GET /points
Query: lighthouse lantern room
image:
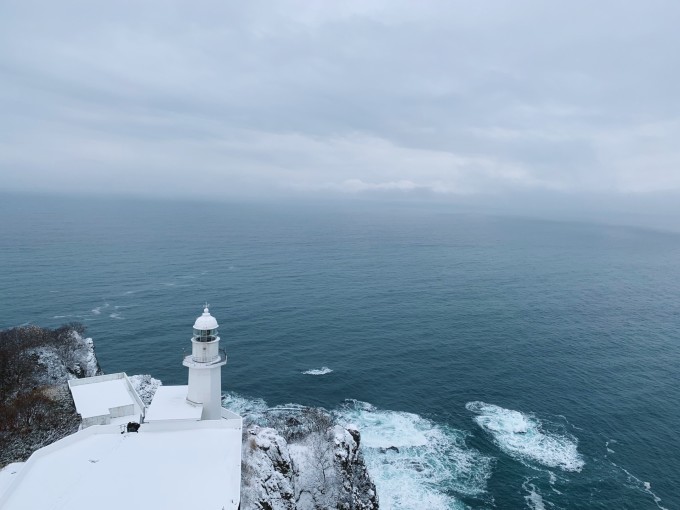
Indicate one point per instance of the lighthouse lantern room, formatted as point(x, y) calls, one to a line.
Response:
point(205, 367)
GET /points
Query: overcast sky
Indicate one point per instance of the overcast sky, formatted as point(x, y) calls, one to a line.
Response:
point(444, 99)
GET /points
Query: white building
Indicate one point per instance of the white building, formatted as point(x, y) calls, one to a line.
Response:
point(106, 400)
point(186, 455)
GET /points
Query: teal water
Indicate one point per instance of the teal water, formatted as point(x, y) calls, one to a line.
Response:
point(514, 363)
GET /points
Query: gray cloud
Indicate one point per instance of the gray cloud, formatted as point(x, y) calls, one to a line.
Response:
point(435, 98)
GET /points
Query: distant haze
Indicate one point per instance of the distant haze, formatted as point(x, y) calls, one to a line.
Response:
point(529, 106)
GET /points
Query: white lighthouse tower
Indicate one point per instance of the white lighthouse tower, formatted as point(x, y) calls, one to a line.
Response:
point(205, 366)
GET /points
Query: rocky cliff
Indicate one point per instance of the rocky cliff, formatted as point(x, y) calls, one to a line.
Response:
point(35, 404)
point(308, 462)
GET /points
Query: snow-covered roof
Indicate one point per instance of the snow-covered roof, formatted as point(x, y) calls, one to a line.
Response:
point(206, 321)
point(165, 465)
point(8, 474)
point(170, 403)
point(106, 399)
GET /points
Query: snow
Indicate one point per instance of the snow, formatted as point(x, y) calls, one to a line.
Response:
point(106, 399)
point(97, 398)
point(268, 477)
point(145, 386)
point(90, 364)
point(170, 403)
point(60, 366)
point(8, 474)
point(159, 467)
point(206, 321)
point(322, 470)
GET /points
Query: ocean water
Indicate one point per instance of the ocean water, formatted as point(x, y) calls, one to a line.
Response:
point(489, 362)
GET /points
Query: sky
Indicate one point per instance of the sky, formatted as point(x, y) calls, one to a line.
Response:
point(487, 102)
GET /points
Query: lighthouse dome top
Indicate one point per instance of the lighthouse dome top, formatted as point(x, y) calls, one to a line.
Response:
point(206, 321)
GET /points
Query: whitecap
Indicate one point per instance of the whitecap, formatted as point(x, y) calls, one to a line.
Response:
point(115, 316)
point(244, 406)
point(318, 371)
point(414, 462)
point(98, 310)
point(606, 445)
point(534, 499)
point(527, 438)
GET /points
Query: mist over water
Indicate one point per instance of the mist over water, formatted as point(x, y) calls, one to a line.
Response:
point(510, 363)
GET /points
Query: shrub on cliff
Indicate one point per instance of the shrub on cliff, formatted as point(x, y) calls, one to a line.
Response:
point(35, 405)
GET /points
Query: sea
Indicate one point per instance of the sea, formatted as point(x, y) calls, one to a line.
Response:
point(489, 362)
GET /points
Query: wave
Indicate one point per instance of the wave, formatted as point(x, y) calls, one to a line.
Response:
point(526, 438)
point(244, 406)
point(98, 310)
point(534, 499)
point(318, 371)
point(116, 316)
point(414, 462)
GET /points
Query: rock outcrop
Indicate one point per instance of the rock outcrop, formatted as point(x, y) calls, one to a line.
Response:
point(72, 359)
point(267, 476)
point(319, 467)
point(36, 407)
point(358, 489)
point(145, 386)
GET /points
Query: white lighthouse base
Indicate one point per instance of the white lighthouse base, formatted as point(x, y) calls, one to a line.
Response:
point(205, 388)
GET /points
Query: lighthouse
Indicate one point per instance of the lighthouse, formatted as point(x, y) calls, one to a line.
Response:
point(184, 434)
point(205, 367)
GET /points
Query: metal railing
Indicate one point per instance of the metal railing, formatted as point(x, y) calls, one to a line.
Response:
point(219, 358)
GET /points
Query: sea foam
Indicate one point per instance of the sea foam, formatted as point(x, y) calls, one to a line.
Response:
point(533, 498)
point(318, 371)
point(414, 462)
point(527, 438)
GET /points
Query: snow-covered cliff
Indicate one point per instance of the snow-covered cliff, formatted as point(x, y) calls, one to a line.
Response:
point(145, 386)
point(36, 407)
point(320, 466)
point(73, 359)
